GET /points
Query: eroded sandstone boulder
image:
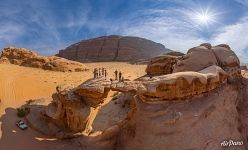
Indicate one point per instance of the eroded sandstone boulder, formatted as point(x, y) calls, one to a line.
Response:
point(94, 91)
point(227, 59)
point(70, 111)
point(73, 109)
point(206, 55)
point(161, 65)
point(25, 57)
point(196, 59)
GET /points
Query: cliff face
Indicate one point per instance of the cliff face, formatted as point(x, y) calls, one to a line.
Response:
point(112, 48)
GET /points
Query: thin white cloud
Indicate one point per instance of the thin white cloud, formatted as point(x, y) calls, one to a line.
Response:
point(236, 36)
point(9, 32)
point(167, 26)
point(38, 23)
point(174, 29)
point(243, 2)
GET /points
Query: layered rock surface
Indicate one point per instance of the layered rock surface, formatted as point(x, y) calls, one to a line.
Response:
point(25, 57)
point(113, 48)
point(203, 122)
point(167, 87)
point(194, 107)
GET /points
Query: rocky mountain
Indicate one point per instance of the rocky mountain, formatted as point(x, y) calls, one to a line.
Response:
point(28, 58)
point(113, 48)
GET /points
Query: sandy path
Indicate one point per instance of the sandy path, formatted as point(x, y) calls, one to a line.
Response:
point(19, 84)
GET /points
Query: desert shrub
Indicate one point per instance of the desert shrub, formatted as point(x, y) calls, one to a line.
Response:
point(28, 102)
point(114, 98)
point(21, 112)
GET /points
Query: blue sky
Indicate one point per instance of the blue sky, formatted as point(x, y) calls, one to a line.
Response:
point(49, 25)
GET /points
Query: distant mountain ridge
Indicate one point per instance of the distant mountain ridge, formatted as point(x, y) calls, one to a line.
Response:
point(113, 48)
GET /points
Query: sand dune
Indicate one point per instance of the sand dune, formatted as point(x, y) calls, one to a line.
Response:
point(19, 84)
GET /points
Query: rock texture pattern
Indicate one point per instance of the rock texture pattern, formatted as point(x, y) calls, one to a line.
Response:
point(196, 59)
point(205, 55)
point(113, 48)
point(161, 65)
point(202, 123)
point(25, 57)
point(195, 107)
point(69, 111)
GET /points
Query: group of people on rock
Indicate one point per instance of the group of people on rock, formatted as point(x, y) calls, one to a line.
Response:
point(118, 76)
point(102, 72)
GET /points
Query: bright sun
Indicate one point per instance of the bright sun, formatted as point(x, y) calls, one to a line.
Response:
point(203, 17)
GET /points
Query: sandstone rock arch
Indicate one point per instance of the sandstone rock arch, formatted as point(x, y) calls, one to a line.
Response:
point(194, 107)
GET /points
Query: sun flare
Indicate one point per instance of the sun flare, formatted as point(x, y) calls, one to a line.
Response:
point(203, 17)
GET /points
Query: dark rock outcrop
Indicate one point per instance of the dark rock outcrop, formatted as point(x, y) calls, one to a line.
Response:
point(113, 48)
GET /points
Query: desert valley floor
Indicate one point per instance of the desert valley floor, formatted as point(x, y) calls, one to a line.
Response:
point(19, 84)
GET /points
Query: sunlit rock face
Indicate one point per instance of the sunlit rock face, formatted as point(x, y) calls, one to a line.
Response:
point(205, 55)
point(161, 65)
point(27, 58)
point(69, 111)
point(196, 59)
point(227, 59)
